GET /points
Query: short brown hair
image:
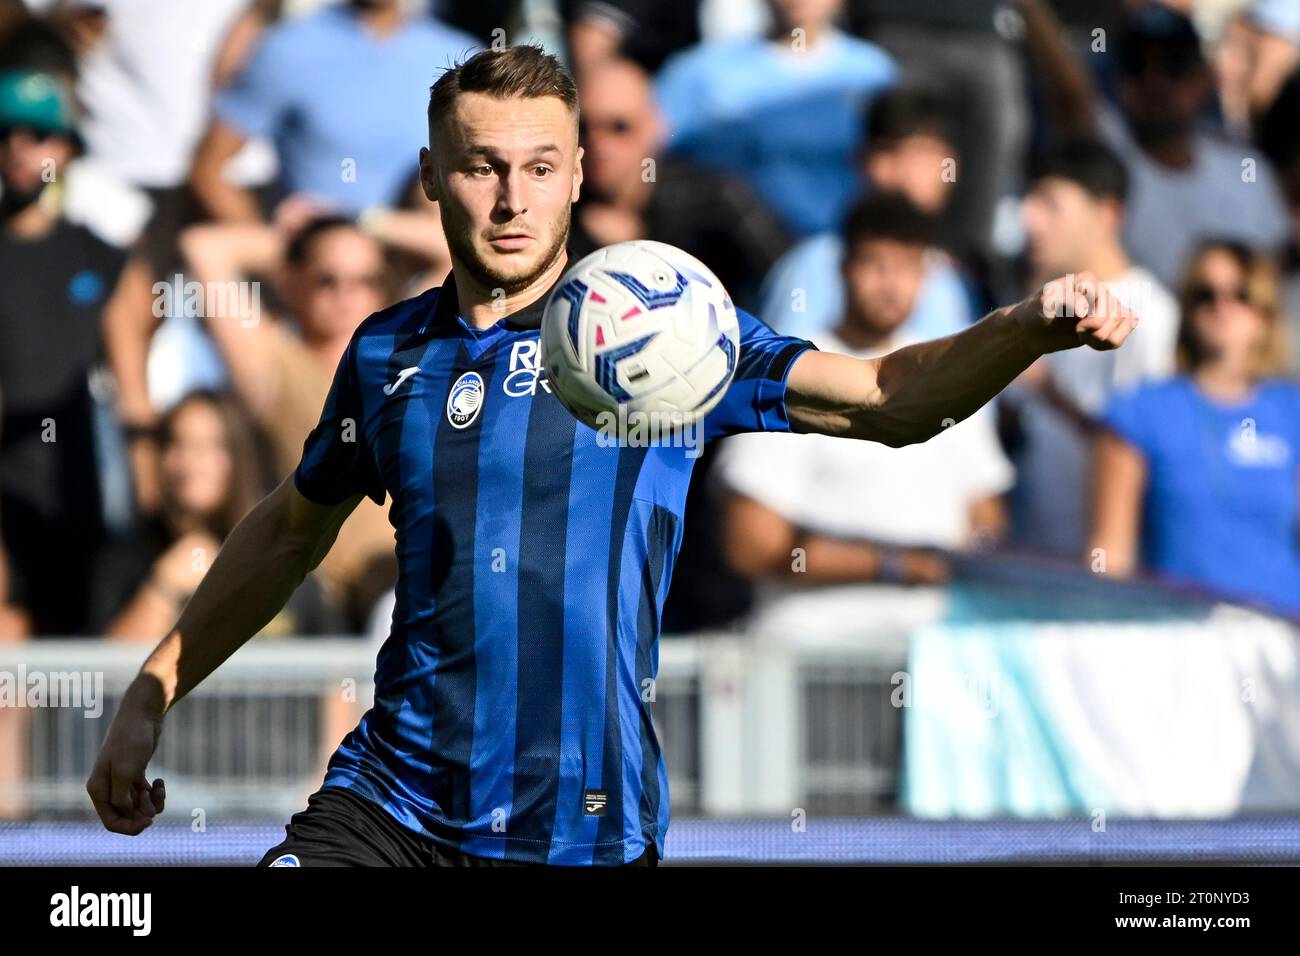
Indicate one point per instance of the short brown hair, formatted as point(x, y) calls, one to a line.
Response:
point(1259, 279)
point(527, 71)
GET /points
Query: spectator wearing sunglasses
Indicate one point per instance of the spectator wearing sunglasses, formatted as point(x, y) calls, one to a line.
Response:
point(1187, 185)
point(330, 276)
point(630, 191)
point(710, 214)
point(1196, 477)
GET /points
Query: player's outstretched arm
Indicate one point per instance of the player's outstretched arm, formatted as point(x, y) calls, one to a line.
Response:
point(260, 565)
point(912, 394)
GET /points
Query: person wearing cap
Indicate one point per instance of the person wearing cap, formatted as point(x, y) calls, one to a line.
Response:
point(67, 301)
point(1187, 184)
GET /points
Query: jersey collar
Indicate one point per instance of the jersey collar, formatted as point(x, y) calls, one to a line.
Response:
point(446, 313)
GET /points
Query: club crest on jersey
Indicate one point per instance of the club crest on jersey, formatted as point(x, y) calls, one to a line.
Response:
point(288, 859)
point(465, 399)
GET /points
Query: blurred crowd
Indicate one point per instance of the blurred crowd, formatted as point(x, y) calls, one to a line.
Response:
point(199, 202)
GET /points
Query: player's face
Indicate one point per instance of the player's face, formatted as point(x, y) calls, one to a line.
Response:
point(504, 173)
point(1062, 222)
point(340, 283)
point(882, 279)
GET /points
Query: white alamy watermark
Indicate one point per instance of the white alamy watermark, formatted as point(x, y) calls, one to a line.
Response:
point(39, 689)
point(637, 429)
point(218, 300)
point(75, 908)
point(1060, 297)
point(973, 691)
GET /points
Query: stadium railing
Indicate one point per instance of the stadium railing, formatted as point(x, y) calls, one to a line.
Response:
point(760, 721)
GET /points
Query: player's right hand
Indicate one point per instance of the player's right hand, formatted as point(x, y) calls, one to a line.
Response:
point(123, 797)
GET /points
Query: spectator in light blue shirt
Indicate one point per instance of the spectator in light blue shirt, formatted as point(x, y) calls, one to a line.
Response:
point(909, 151)
point(782, 112)
point(1197, 476)
point(341, 93)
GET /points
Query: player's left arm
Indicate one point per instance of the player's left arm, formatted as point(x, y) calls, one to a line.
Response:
point(912, 394)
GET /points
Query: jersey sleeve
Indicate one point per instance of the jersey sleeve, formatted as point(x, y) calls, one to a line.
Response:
point(755, 399)
point(337, 462)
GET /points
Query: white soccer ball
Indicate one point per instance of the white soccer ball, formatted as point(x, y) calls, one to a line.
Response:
point(644, 326)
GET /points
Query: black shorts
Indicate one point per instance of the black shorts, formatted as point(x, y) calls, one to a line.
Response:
point(339, 828)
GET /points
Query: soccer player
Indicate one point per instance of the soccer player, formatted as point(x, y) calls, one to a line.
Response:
point(511, 721)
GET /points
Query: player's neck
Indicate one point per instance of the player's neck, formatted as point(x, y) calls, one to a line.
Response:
point(483, 307)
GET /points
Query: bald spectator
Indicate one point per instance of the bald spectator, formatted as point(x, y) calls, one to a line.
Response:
point(629, 191)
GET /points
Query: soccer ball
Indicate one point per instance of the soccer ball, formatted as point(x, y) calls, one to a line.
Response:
point(643, 326)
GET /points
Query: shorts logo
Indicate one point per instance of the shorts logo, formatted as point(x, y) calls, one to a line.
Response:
point(288, 859)
point(465, 399)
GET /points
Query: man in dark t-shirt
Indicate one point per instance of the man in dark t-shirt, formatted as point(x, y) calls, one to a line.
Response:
point(59, 286)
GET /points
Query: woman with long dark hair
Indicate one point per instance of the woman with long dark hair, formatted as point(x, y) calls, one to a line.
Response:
point(211, 475)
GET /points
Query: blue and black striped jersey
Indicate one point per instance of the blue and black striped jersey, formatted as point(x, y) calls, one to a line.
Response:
point(512, 706)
